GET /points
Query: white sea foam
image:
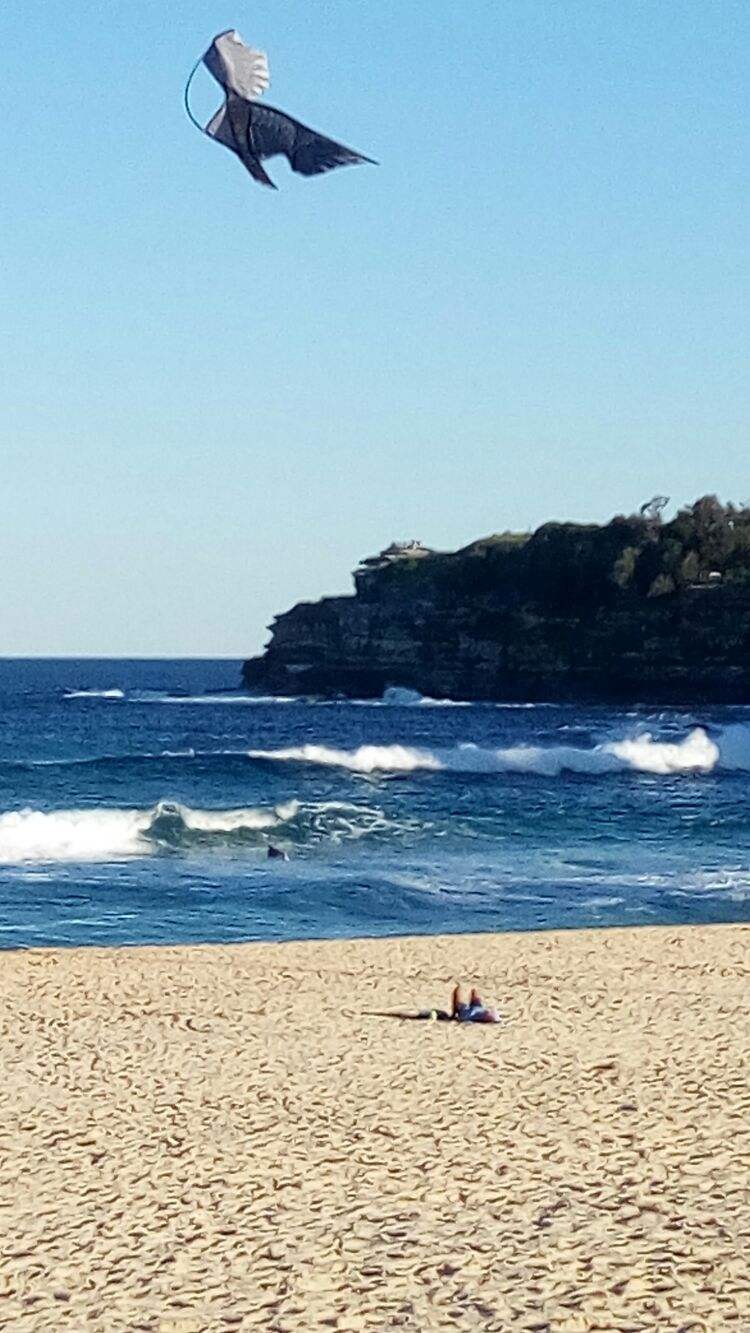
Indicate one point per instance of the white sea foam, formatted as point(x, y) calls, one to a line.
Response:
point(62, 835)
point(527, 706)
point(400, 696)
point(163, 697)
point(105, 834)
point(95, 694)
point(231, 821)
point(696, 753)
point(366, 759)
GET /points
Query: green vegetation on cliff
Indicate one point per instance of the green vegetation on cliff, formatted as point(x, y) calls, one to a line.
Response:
point(569, 566)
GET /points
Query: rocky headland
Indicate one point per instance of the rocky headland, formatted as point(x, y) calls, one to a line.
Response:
point(633, 609)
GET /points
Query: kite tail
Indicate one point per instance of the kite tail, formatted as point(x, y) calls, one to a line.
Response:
point(191, 76)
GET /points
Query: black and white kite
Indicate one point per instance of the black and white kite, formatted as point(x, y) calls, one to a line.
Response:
point(254, 131)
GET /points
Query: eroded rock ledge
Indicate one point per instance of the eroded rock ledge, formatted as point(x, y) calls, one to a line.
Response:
point(633, 609)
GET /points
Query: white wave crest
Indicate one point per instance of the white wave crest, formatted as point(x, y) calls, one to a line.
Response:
point(164, 697)
point(106, 834)
point(231, 821)
point(63, 835)
point(95, 694)
point(399, 696)
point(696, 753)
point(366, 759)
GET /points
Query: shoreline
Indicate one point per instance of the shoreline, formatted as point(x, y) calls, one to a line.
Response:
point(314, 941)
point(219, 1136)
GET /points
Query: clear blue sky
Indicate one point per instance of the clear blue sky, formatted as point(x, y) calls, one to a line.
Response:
point(216, 399)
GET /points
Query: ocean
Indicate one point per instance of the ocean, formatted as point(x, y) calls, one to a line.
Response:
point(138, 800)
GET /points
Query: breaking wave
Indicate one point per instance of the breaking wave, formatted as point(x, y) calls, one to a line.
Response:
point(696, 753)
point(95, 694)
point(165, 697)
point(398, 696)
point(107, 834)
point(110, 834)
point(395, 696)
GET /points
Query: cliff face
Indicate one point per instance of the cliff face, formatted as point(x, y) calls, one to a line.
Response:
point(633, 610)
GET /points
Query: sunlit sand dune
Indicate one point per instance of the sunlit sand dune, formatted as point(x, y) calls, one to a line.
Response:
point(225, 1137)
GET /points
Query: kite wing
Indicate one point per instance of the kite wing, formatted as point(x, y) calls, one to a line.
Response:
point(236, 66)
point(231, 126)
point(261, 132)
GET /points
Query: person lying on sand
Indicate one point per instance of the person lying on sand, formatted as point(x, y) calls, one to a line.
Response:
point(473, 1012)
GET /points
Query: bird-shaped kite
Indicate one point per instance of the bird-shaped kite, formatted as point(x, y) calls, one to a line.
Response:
point(254, 131)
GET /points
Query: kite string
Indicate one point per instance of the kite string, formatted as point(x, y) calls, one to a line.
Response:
point(191, 76)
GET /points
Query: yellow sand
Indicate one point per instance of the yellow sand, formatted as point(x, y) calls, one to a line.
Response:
point(219, 1138)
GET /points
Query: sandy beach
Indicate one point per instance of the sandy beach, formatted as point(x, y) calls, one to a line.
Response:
point(223, 1137)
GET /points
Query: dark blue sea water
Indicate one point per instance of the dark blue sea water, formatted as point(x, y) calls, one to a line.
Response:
point(138, 801)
